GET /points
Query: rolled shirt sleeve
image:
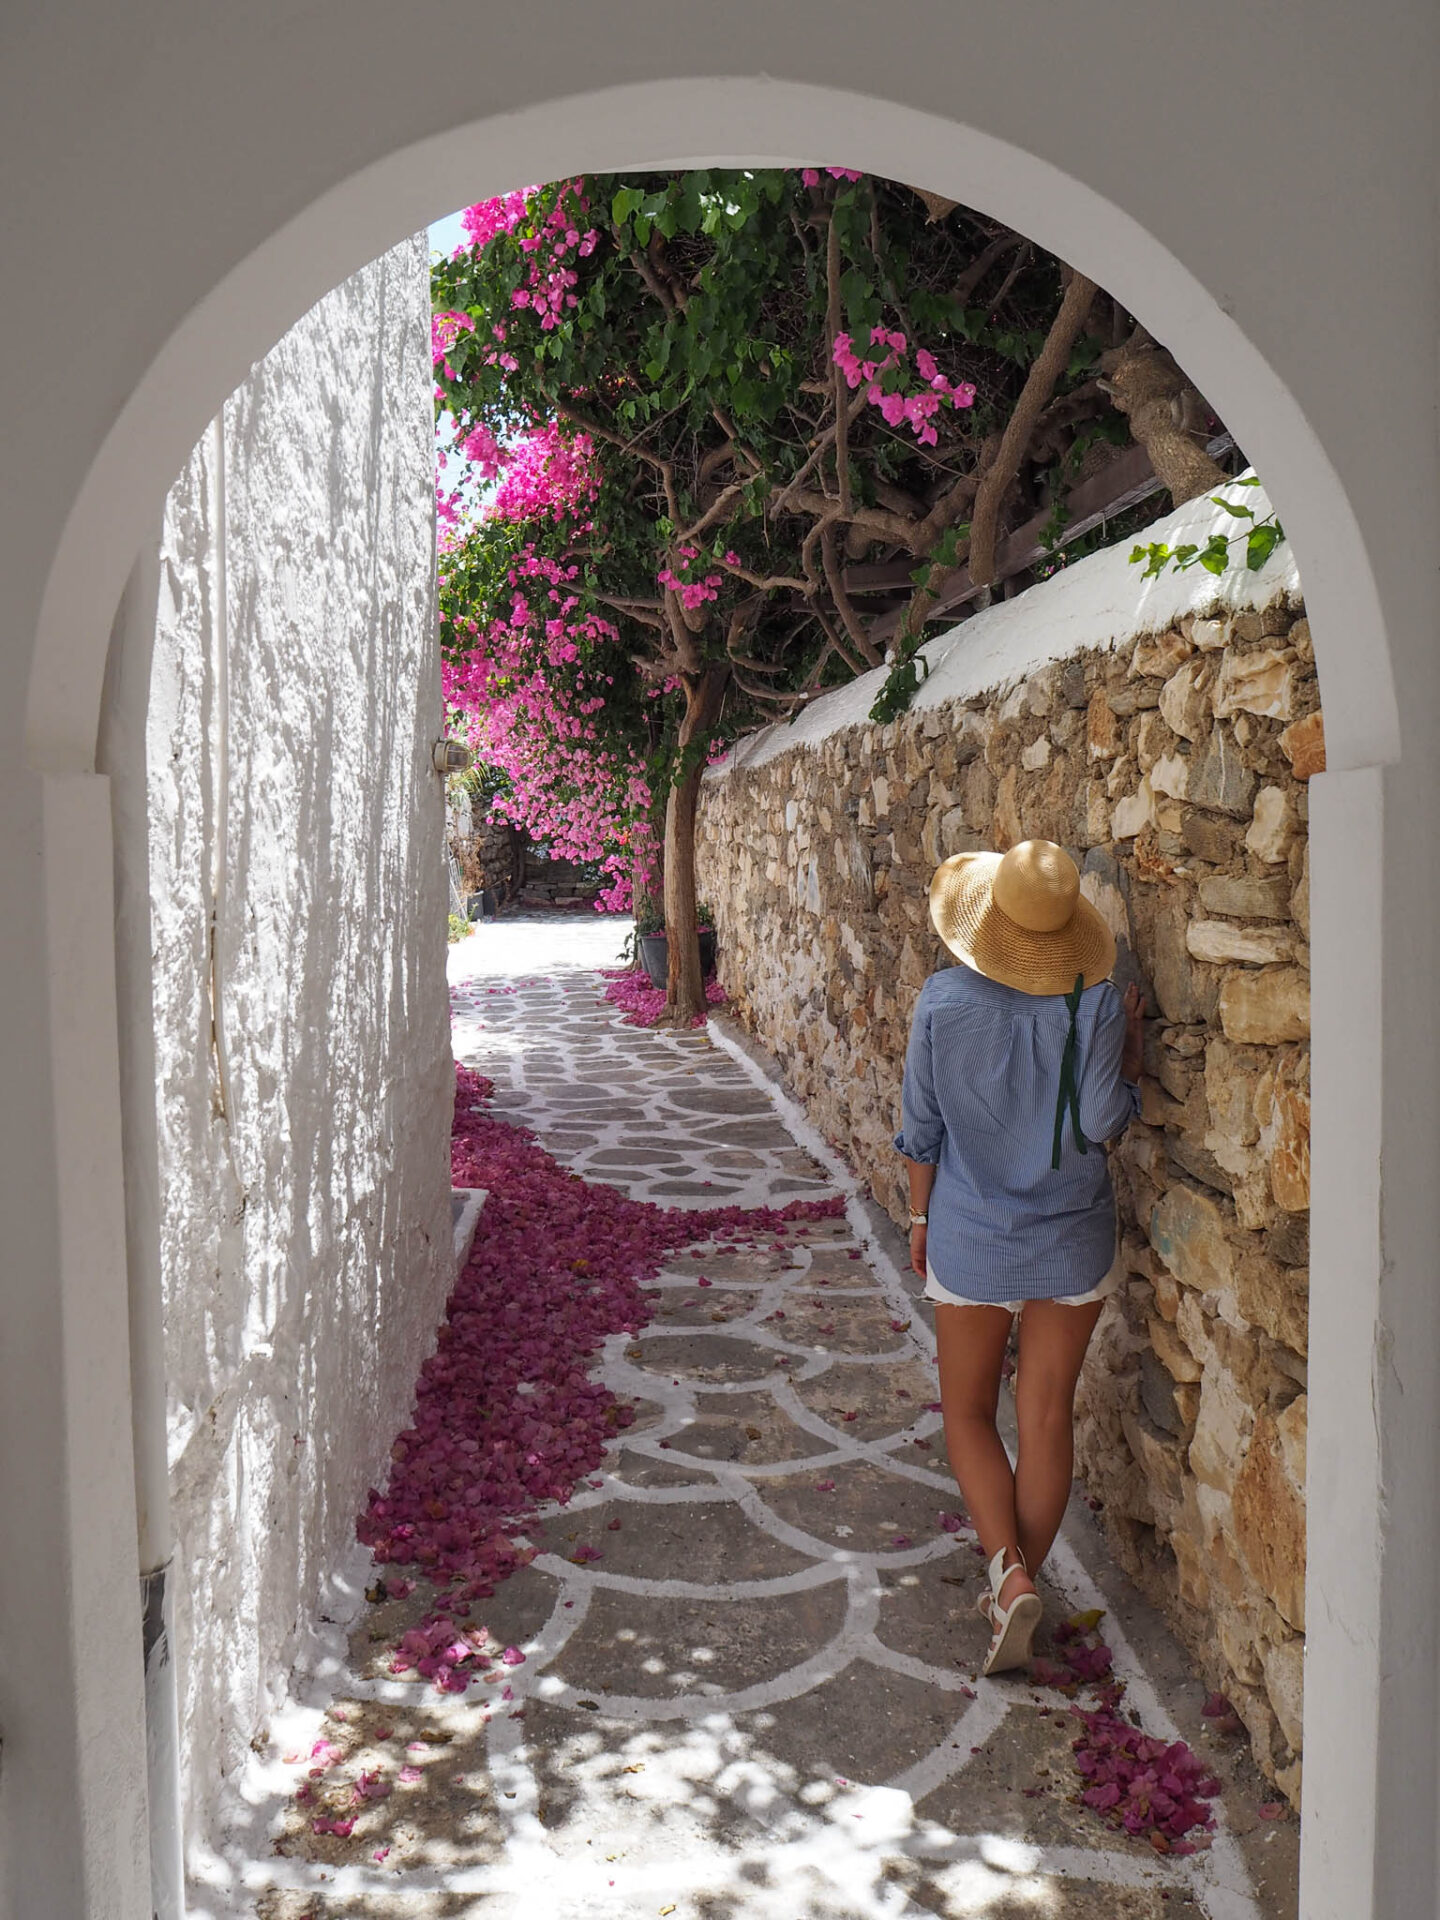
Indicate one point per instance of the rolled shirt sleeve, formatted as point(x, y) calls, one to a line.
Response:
point(922, 1128)
point(1107, 1102)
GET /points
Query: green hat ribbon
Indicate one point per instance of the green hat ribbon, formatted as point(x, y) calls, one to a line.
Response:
point(1069, 1087)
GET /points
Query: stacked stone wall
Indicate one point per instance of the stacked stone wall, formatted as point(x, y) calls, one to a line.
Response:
point(1173, 766)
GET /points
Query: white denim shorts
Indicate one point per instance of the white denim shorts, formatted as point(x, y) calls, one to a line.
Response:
point(945, 1297)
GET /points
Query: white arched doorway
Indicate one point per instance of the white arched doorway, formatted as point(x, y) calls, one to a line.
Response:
point(283, 240)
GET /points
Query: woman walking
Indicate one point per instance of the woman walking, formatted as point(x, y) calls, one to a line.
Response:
point(1022, 1061)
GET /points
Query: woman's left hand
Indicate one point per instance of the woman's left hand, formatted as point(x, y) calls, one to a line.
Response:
point(917, 1250)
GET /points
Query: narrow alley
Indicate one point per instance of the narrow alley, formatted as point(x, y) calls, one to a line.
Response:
point(739, 1677)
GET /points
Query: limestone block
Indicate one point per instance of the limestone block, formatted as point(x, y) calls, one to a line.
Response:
point(1042, 690)
point(1262, 682)
point(972, 731)
point(1100, 887)
point(1158, 655)
point(1170, 775)
point(1006, 829)
point(1192, 1559)
point(1223, 940)
point(1232, 1075)
point(1300, 898)
point(1285, 1130)
point(1159, 1108)
point(1067, 729)
point(1096, 814)
point(1152, 738)
point(1183, 992)
point(1072, 690)
point(1240, 1644)
point(1210, 635)
point(1245, 896)
point(1037, 754)
point(1161, 1461)
point(1274, 1298)
point(1209, 838)
point(1222, 1428)
point(1303, 745)
point(1284, 1672)
point(1219, 777)
point(1299, 638)
point(1269, 1512)
point(1172, 1352)
point(1185, 699)
point(1122, 777)
point(1253, 1706)
point(1102, 731)
point(1272, 830)
point(1293, 1428)
point(1266, 1008)
point(1288, 1242)
point(1134, 812)
point(1190, 1232)
point(978, 796)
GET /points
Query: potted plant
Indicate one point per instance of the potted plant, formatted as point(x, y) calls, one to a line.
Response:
point(654, 948)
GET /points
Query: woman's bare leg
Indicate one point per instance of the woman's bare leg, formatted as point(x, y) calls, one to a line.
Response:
point(1053, 1339)
point(970, 1344)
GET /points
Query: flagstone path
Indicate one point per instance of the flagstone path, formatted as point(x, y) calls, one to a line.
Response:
point(753, 1695)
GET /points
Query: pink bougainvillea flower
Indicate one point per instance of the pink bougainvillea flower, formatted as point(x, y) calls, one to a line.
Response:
point(824, 1486)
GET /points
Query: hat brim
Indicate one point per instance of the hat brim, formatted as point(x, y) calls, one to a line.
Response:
point(964, 914)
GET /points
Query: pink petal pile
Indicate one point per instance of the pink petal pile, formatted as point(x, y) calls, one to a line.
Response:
point(644, 1005)
point(506, 1412)
point(1147, 1787)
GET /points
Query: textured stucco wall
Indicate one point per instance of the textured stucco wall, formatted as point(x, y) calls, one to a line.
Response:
point(303, 1050)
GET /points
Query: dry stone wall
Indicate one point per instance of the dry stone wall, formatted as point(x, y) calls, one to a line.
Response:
point(1173, 765)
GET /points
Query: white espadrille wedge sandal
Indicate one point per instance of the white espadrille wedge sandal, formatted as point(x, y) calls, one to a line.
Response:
point(1012, 1628)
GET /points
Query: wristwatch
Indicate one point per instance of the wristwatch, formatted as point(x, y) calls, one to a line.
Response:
point(919, 1219)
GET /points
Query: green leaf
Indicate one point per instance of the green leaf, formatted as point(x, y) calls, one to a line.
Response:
point(1240, 513)
point(1214, 562)
point(625, 203)
point(1262, 543)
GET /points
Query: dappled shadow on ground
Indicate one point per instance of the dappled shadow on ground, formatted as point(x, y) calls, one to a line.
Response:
point(748, 1689)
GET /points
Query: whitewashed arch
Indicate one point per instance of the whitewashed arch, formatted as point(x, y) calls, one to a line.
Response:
point(1084, 143)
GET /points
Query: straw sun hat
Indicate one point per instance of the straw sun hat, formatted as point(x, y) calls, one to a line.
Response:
point(1021, 919)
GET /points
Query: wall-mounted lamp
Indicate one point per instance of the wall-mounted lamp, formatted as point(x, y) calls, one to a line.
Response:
point(451, 756)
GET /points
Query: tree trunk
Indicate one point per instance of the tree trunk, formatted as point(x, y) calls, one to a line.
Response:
point(1166, 416)
point(685, 985)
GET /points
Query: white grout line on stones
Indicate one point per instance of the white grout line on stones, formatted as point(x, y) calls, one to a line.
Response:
point(843, 1848)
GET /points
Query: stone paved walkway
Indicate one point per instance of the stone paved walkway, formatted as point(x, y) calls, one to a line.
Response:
point(760, 1703)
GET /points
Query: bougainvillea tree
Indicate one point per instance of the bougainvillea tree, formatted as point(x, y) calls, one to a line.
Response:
point(747, 428)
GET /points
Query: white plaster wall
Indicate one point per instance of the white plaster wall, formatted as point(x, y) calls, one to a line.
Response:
point(302, 1053)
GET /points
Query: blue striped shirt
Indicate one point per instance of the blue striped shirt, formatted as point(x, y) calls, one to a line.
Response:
point(982, 1074)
